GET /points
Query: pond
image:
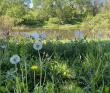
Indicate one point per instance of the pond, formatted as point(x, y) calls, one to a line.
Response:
point(39, 34)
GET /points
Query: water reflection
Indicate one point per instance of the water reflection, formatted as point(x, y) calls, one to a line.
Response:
point(35, 36)
point(26, 35)
point(54, 33)
point(43, 35)
point(39, 34)
point(79, 34)
point(100, 34)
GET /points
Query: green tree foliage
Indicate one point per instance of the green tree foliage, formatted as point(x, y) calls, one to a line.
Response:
point(98, 23)
point(54, 20)
point(14, 8)
point(29, 18)
point(66, 11)
point(3, 6)
point(97, 5)
point(105, 8)
point(82, 6)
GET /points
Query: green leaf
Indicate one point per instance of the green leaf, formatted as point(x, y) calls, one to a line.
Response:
point(107, 89)
point(2, 88)
point(78, 90)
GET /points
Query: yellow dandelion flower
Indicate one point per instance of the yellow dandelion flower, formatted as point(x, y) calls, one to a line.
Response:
point(34, 67)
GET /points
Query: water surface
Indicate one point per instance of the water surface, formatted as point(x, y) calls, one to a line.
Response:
point(40, 34)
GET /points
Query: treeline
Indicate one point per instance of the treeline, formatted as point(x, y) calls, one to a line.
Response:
point(54, 11)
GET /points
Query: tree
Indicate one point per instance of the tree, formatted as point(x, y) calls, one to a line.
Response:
point(37, 3)
point(14, 8)
point(105, 8)
point(97, 4)
point(82, 7)
point(55, 8)
point(3, 7)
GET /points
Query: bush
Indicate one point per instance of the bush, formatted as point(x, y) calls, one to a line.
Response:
point(98, 23)
point(54, 20)
point(6, 24)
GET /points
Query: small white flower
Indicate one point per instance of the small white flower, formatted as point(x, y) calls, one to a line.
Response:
point(17, 39)
point(5, 40)
point(105, 54)
point(3, 46)
point(37, 46)
point(108, 42)
point(14, 59)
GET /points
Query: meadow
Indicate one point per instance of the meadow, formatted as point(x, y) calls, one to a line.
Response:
point(55, 66)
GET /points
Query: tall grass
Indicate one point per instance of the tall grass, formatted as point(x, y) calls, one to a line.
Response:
point(64, 66)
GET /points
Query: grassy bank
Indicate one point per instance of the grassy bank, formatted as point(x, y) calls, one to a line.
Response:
point(76, 23)
point(49, 26)
point(79, 66)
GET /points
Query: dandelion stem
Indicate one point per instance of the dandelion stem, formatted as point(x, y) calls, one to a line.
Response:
point(40, 70)
point(1, 55)
point(26, 75)
point(22, 77)
point(0, 77)
point(17, 90)
point(34, 78)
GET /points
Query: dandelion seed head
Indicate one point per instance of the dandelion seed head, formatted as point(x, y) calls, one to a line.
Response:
point(14, 59)
point(37, 46)
point(3, 46)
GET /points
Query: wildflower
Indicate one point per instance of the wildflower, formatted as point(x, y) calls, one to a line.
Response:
point(5, 40)
point(3, 46)
point(108, 42)
point(37, 46)
point(34, 67)
point(17, 39)
point(14, 59)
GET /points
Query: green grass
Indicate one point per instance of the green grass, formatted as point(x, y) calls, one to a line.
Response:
point(75, 23)
point(68, 66)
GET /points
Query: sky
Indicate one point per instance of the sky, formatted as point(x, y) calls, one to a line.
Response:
point(31, 4)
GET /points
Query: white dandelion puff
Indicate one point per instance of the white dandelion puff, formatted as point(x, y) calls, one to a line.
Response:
point(3, 46)
point(14, 59)
point(37, 46)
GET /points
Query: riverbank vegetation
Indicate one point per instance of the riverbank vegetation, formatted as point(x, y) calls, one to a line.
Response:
point(67, 66)
point(53, 13)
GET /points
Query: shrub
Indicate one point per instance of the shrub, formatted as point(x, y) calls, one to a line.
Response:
point(98, 23)
point(54, 20)
point(6, 24)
